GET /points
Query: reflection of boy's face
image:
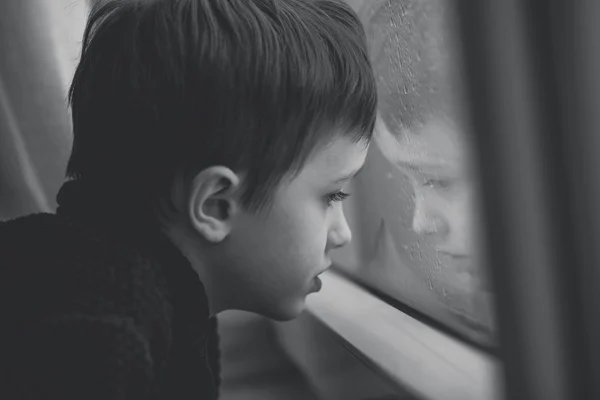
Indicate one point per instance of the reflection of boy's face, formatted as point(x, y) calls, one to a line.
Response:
point(435, 159)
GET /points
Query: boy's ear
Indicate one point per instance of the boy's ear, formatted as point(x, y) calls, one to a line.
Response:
point(213, 202)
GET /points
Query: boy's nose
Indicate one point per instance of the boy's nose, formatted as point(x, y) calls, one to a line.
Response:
point(424, 221)
point(341, 235)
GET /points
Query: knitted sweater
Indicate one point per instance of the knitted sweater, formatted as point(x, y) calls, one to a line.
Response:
point(100, 310)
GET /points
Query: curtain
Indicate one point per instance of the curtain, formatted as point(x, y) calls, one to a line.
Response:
point(39, 47)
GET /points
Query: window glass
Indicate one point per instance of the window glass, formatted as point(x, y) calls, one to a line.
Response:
point(414, 209)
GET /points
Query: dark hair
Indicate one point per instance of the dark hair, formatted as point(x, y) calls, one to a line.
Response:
point(412, 52)
point(165, 86)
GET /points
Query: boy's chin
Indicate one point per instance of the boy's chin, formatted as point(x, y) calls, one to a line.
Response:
point(286, 313)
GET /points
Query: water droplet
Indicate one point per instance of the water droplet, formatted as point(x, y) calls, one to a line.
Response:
point(411, 254)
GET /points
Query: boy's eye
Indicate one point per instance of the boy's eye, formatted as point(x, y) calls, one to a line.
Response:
point(337, 196)
point(437, 183)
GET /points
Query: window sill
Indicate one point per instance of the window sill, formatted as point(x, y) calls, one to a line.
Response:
point(400, 348)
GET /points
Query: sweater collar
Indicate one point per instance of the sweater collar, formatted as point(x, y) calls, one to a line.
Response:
point(81, 202)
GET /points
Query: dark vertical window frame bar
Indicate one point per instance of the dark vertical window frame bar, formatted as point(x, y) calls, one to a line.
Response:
point(512, 114)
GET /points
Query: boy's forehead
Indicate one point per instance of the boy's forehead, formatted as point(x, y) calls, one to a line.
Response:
point(436, 142)
point(340, 156)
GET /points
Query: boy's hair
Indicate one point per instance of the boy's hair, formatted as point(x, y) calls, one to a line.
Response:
point(412, 49)
point(170, 86)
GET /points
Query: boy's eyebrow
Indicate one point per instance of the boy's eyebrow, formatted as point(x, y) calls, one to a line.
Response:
point(349, 176)
point(421, 166)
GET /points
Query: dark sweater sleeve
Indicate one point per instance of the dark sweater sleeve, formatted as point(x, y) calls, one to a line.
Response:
point(78, 357)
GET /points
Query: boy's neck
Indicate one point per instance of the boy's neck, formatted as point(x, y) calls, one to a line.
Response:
point(194, 251)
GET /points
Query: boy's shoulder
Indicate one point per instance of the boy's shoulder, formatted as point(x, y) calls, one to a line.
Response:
point(52, 264)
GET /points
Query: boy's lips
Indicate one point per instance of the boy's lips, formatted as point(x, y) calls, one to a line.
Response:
point(459, 262)
point(326, 268)
point(466, 269)
point(451, 254)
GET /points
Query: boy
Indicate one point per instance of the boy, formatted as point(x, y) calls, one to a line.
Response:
point(212, 143)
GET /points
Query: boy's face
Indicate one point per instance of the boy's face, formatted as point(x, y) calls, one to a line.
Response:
point(271, 261)
point(435, 158)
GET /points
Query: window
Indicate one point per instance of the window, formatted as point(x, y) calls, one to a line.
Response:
point(414, 211)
